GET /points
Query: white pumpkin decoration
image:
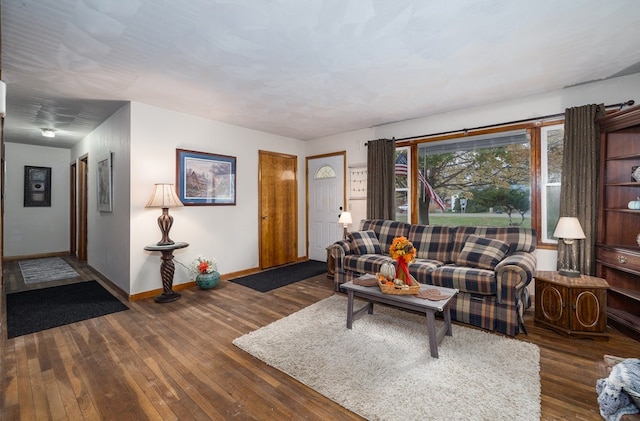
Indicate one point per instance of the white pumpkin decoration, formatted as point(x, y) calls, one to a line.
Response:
point(634, 204)
point(388, 270)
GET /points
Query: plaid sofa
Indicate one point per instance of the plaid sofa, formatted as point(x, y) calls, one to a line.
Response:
point(490, 266)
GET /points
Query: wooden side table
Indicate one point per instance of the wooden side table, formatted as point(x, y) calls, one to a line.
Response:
point(331, 265)
point(167, 269)
point(575, 307)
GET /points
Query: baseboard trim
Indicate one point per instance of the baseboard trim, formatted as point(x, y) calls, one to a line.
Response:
point(35, 256)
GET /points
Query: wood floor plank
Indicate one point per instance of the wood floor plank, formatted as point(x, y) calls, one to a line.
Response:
point(176, 361)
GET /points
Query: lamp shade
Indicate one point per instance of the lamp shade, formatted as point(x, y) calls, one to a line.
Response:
point(569, 227)
point(345, 218)
point(164, 196)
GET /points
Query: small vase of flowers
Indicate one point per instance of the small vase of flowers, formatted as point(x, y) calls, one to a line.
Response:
point(206, 271)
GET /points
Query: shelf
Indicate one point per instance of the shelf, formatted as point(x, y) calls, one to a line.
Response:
point(623, 157)
point(624, 210)
point(634, 295)
point(633, 248)
point(625, 184)
point(618, 267)
point(623, 316)
point(624, 320)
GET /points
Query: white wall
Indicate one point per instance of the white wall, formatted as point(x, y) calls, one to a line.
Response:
point(609, 92)
point(228, 234)
point(108, 232)
point(29, 230)
point(353, 143)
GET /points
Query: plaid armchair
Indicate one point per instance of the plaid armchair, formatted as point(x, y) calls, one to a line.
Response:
point(491, 267)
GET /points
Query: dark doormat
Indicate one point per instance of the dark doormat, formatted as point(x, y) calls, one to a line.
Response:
point(284, 275)
point(39, 309)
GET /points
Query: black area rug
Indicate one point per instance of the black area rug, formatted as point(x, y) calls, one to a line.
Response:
point(40, 309)
point(281, 276)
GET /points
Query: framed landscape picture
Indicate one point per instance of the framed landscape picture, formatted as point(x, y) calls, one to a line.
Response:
point(105, 185)
point(37, 186)
point(205, 179)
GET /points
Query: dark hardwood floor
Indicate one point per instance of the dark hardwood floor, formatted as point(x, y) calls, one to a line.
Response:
point(175, 361)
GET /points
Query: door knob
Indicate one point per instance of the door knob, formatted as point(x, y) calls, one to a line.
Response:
point(265, 217)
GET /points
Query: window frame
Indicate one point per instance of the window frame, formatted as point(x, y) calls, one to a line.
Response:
point(533, 129)
point(409, 215)
point(544, 183)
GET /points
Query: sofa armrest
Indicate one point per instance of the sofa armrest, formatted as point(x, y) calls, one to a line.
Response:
point(514, 273)
point(338, 251)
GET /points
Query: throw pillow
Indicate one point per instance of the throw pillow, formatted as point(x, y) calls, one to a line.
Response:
point(482, 253)
point(365, 242)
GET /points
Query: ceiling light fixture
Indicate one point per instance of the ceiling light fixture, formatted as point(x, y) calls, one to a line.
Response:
point(48, 133)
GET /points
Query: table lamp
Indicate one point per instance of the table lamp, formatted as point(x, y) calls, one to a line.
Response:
point(345, 219)
point(569, 230)
point(164, 196)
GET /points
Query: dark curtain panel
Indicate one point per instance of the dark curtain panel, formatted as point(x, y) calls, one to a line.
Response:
point(381, 179)
point(579, 185)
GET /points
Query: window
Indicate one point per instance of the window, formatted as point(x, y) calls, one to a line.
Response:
point(475, 180)
point(551, 147)
point(325, 171)
point(485, 178)
point(403, 185)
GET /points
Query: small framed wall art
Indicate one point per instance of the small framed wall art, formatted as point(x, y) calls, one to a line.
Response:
point(37, 186)
point(105, 185)
point(205, 179)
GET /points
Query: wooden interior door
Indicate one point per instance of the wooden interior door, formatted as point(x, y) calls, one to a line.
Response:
point(83, 175)
point(278, 208)
point(73, 210)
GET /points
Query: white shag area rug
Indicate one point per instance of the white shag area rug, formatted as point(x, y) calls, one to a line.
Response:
point(45, 270)
point(382, 368)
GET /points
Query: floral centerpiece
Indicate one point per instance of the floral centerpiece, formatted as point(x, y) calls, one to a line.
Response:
point(403, 252)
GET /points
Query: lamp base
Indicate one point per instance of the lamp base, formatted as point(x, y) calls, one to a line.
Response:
point(570, 273)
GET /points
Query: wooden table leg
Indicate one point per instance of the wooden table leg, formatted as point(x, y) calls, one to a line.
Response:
point(431, 330)
point(349, 309)
point(447, 320)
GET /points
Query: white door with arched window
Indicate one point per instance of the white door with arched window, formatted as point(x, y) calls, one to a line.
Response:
point(325, 178)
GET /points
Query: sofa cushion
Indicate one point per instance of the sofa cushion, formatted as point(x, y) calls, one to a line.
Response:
point(482, 253)
point(386, 230)
point(466, 279)
point(366, 263)
point(519, 239)
point(365, 242)
point(421, 269)
point(432, 242)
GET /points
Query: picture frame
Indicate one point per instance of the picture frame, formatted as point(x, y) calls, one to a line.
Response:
point(104, 177)
point(37, 186)
point(205, 179)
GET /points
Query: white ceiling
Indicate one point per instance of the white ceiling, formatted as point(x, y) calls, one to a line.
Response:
point(303, 69)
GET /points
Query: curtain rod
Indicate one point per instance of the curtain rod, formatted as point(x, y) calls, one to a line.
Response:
point(526, 120)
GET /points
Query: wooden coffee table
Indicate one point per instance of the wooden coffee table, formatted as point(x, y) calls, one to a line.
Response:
point(409, 302)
